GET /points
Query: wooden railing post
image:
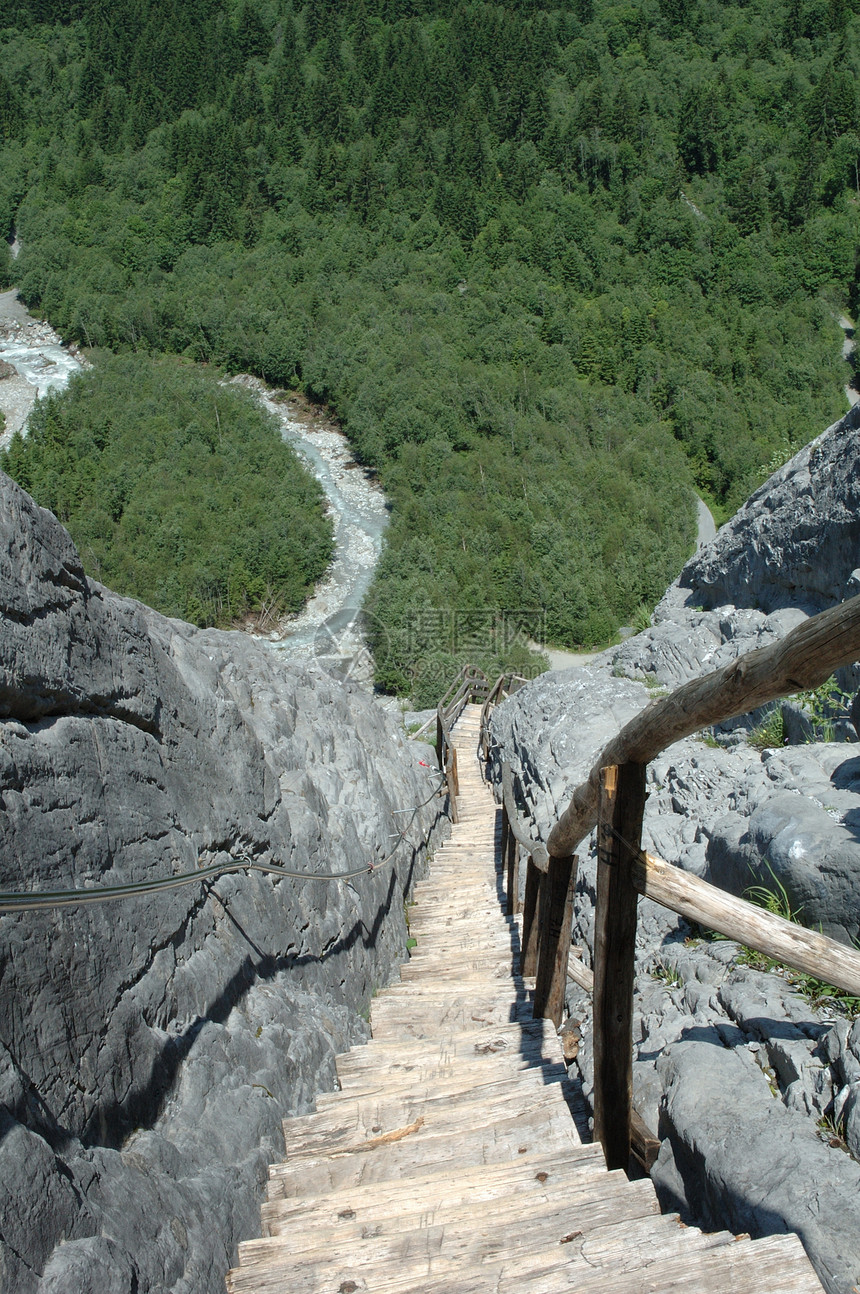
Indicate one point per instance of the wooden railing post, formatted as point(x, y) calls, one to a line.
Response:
point(531, 922)
point(440, 740)
point(451, 779)
point(622, 804)
point(506, 833)
point(513, 877)
point(556, 918)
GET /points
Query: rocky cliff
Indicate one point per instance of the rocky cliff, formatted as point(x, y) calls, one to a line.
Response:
point(150, 1047)
point(755, 1089)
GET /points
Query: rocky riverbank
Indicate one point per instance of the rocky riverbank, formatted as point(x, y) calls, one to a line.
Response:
point(35, 360)
point(151, 1047)
point(753, 1087)
point(328, 628)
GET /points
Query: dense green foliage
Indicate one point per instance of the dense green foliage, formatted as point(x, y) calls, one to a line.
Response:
point(552, 264)
point(176, 490)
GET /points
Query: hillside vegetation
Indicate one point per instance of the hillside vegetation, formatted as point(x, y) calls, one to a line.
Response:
point(553, 266)
point(176, 490)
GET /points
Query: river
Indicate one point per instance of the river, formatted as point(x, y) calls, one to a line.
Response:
point(327, 629)
point(41, 361)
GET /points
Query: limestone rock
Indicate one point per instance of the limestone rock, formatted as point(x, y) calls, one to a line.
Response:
point(795, 542)
point(731, 1156)
point(153, 1045)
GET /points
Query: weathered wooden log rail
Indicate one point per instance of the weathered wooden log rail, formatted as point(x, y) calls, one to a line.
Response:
point(470, 685)
point(613, 799)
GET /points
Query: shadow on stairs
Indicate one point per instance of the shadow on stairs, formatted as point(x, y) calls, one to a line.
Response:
point(453, 1160)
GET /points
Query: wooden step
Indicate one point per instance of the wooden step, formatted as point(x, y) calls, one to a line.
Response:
point(525, 1037)
point(444, 1250)
point(480, 1183)
point(496, 1141)
point(567, 1191)
point(434, 1075)
point(357, 1122)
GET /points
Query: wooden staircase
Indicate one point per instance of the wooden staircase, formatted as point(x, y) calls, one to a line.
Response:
point(450, 1162)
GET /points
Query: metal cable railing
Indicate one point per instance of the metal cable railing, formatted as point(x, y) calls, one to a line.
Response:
point(33, 901)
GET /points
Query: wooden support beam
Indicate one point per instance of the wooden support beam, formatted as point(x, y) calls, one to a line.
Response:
point(644, 1146)
point(506, 835)
point(531, 921)
point(805, 658)
point(534, 848)
point(622, 804)
point(713, 908)
point(512, 883)
point(556, 918)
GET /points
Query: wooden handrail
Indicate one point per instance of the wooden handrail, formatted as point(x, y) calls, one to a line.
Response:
point(715, 909)
point(505, 684)
point(804, 659)
point(469, 681)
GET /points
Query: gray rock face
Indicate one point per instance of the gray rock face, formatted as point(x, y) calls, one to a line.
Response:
point(796, 541)
point(150, 1048)
point(706, 1085)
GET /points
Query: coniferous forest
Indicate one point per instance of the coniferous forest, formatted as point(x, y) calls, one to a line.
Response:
point(555, 267)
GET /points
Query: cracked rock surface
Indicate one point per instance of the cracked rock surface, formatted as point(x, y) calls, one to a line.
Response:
point(753, 1089)
point(149, 1048)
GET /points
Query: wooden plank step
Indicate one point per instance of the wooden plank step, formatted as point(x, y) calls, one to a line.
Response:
point(772, 1265)
point(420, 1017)
point(499, 1141)
point(429, 1251)
point(474, 989)
point(525, 1036)
point(407, 1074)
point(647, 1240)
point(358, 1122)
point(643, 1241)
point(483, 1183)
point(410, 1024)
point(492, 968)
point(482, 957)
point(434, 1057)
point(342, 1234)
point(425, 1182)
point(491, 931)
point(449, 928)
